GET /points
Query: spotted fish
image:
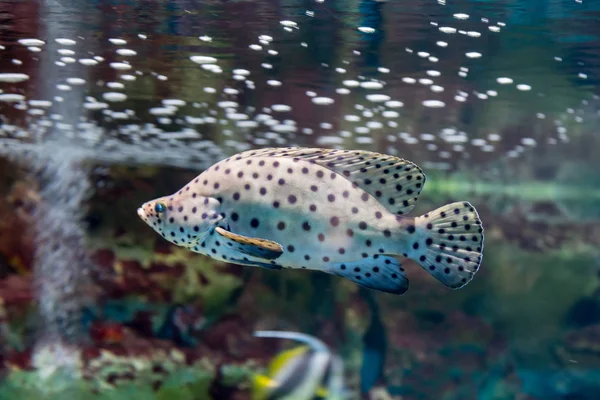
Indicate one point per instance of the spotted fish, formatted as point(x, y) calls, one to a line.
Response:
point(338, 211)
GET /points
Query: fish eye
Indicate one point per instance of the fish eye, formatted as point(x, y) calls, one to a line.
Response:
point(160, 208)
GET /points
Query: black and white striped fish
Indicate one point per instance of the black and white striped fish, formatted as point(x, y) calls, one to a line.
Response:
point(307, 372)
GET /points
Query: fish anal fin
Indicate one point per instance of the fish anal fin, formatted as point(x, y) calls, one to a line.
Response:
point(378, 272)
point(394, 182)
point(254, 247)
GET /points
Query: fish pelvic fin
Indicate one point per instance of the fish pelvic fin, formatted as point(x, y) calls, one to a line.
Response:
point(448, 243)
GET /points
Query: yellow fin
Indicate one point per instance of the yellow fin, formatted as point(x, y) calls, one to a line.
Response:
point(321, 392)
point(261, 386)
point(255, 247)
point(264, 381)
point(284, 357)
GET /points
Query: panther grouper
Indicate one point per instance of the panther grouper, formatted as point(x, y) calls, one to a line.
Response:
point(338, 211)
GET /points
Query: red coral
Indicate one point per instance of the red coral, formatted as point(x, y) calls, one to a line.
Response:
point(16, 294)
point(103, 332)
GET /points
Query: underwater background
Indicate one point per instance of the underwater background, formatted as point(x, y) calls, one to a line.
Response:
point(107, 104)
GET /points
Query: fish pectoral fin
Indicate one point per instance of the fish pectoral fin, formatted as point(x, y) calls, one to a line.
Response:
point(379, 272)
point(254, 247)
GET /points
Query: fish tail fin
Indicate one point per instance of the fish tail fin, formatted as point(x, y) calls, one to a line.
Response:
point(449, 243)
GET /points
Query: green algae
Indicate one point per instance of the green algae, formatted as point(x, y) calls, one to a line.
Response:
point(237, 375)
point(187, 383)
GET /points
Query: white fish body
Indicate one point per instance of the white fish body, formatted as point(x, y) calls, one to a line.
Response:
point(337, 211)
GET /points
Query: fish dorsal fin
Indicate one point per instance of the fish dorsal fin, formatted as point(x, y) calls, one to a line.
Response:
point(255, 247)
point(396, 183)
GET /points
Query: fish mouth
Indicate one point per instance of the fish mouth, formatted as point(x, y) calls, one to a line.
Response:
point(141, 213)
